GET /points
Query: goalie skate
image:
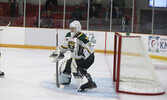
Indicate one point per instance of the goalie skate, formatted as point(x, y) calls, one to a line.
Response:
point(87, 86)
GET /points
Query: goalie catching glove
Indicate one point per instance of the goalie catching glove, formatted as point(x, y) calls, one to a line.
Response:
point(56, 55)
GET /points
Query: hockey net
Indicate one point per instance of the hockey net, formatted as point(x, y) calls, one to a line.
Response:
point(133, 70)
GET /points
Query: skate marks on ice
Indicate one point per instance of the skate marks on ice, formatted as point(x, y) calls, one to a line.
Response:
point(105, 88)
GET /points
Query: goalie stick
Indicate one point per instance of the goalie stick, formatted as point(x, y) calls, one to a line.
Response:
point(57, 65)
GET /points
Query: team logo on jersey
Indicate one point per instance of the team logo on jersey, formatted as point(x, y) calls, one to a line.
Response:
point(154, 44)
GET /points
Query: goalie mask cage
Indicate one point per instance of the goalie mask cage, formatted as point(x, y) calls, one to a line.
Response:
point(133, 71)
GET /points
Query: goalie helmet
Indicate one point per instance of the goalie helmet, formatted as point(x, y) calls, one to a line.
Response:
point(76, 25)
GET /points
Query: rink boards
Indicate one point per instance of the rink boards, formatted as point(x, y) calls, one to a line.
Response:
point(44, 37)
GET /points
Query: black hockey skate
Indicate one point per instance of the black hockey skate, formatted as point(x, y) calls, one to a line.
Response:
point(2, 74)
point(87, 86)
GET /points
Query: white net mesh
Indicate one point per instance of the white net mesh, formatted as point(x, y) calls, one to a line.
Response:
point(137, 74)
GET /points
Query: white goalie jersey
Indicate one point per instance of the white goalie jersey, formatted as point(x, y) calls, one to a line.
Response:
point(78, 44)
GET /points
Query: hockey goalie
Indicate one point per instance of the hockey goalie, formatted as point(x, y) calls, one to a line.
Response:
point(82, 57)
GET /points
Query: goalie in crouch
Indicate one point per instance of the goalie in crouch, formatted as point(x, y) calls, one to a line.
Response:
point(82, 57)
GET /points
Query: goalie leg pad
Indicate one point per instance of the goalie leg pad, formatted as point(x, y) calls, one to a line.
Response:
point(67, 68)
point(85, 81)
point(83, 78)
point(80, 79)
point(65, 72)
point(74, 66)
point(64, 78)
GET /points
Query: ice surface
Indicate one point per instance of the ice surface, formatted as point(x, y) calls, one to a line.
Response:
point(29, 75)
point(105, 88)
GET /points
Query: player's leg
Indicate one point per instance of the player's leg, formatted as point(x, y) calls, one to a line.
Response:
point(81, 74)
point(85, 80)
point(83, 66)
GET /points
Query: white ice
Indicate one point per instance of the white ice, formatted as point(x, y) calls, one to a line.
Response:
point(27, 69)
